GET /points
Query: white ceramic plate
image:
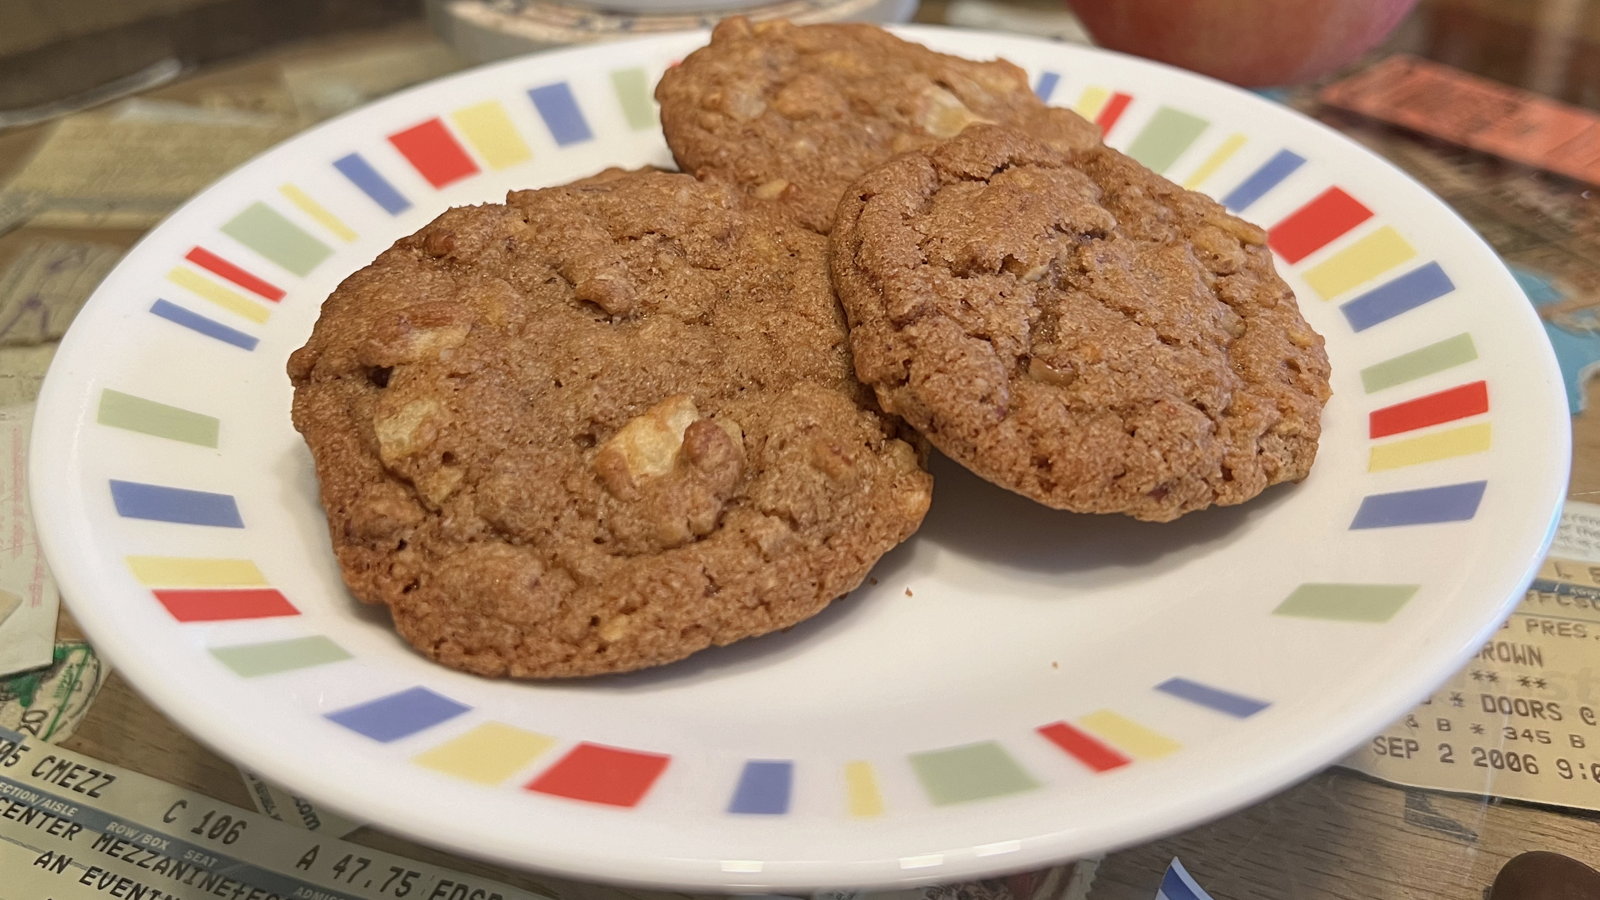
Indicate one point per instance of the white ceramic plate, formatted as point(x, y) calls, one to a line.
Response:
point(1018, 686)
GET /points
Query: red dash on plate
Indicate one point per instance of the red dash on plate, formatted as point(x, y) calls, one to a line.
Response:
point(1445, 406)
point(220, 267)
point(1111, 112)
point(1083, 748)
point(434, 152)
point(224, 605)
point(1315, 225)
point(601, 774)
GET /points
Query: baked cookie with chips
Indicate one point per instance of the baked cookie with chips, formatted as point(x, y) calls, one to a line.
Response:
point(597, 428)
point(794, 113)
point(1076, 328)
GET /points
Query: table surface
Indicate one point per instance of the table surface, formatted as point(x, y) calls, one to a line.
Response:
point(1336, 834)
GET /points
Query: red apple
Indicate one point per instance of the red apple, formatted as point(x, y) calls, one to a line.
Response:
point(1249, 42)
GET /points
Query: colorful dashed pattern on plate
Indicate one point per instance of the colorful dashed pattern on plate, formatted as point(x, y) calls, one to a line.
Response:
point(1332, 241)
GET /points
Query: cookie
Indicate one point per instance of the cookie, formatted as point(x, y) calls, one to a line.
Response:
point(1076, 328)
point(795, 113)
point(597, 428)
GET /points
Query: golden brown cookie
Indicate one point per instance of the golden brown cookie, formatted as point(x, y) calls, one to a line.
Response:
point(795, 113)
point(598, 428)
point(1076, 328)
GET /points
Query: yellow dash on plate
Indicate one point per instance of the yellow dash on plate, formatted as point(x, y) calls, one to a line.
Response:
point(1463, 441)
point(489, 130)
point(1222, 154)
point(861, 788)
point(184, 571)
point(232, 301)
point(1128, 736)
point(1090, 102)
point(488, 754)
point(317, 211)
point(1360, 262)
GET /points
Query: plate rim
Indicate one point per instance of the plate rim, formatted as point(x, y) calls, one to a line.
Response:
point(1198, 807)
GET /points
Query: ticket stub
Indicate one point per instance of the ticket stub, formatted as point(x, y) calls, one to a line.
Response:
point(1522, 720)
point(75, 828)
point(1069, 881)
point(1475, 112)
point(276, 803)
point(1578, 537)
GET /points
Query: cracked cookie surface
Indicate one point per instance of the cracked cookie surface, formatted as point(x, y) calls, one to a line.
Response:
point(1076, 328)
point(597, 428)
point(794, 113)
